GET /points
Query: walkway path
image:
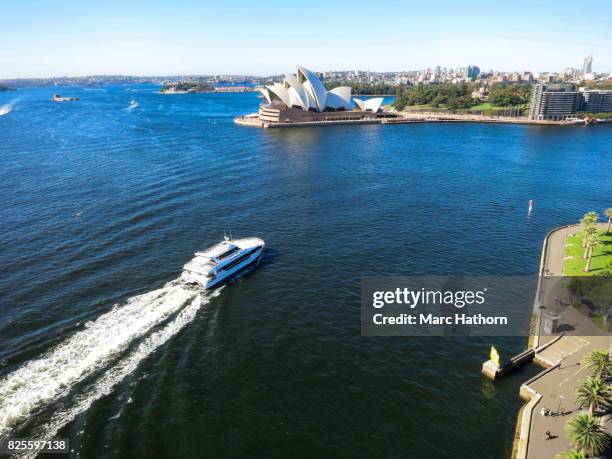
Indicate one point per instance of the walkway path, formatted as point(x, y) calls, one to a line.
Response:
point(557, 386)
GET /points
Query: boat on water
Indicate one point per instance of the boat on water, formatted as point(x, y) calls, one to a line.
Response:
point(222, 261)
point(59, 98)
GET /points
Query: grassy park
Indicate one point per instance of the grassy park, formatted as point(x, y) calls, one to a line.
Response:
point(601, 259)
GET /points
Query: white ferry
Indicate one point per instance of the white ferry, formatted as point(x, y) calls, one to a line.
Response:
point(222, 261)
point(59, 98)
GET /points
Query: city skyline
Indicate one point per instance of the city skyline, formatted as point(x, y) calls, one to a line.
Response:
point(162, 38)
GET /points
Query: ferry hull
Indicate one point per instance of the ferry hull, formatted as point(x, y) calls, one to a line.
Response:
point(232, 273)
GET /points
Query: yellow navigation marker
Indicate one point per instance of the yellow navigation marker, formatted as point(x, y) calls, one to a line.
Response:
point(494, 356)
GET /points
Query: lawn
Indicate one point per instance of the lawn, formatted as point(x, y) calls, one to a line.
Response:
point(602, 255)
point(483, 106)
point(491, 109)
point(408, 108)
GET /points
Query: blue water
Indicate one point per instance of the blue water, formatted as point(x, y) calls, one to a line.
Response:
point(102, 202)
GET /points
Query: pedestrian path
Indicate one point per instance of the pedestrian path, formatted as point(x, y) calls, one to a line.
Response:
point(554, 389)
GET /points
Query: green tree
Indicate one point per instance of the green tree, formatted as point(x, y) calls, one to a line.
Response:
point(598, 363)
point(451, 96)
point(589, 221)
point(587, 435)
point(509, 95)
point(571, 454)
point(593, 393)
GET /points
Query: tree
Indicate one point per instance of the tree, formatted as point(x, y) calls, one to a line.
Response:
point(590, 227)
point(450, 96)
point(586, 434)
point(593, 393)
point(608, 213)
point(571, 454)
point(591, 244)
point(598, 362)
point(504, 95)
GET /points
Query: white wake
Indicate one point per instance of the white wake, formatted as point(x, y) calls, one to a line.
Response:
point(8, 108)
point(56, 372)
point(117, 373)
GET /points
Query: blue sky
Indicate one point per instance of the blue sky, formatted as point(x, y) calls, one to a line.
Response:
point(154, 37)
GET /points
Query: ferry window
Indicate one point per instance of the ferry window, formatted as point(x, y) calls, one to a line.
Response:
point(224, 255)
point(238, 260)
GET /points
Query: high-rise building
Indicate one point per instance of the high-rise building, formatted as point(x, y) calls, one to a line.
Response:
point(571, 73)
point(467, 72)
point(554, 101)
point(587, 66)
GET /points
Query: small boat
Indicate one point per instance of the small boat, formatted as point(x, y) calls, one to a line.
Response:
point(59, 98)
point(222, 261)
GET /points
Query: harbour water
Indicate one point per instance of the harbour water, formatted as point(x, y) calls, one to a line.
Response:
point(104, 199)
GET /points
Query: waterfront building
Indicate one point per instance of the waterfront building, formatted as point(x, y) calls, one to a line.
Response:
point(305, 91)
point(303, 98)
point(554, 102)
point(596, 101)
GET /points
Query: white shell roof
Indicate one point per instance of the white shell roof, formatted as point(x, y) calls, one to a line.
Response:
point(372, 104)
point(306, 91)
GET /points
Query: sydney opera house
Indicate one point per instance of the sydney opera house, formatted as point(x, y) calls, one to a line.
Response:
point(302, 98)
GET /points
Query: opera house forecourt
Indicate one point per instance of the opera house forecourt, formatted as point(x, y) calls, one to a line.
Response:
point(302, 99)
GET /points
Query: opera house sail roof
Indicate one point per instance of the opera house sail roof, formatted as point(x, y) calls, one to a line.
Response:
point(302, 100)
point(305, 91)
point(369, 105)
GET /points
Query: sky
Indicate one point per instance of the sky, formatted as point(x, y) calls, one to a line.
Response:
point(135, 37)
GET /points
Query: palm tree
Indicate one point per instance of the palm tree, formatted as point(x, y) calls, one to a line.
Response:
point(589, 220)
point(599, 363)
point(593, 393)
point(591, 244)
point(584, 221)
point(608, 213)
point(586, 434)
point(571, 454)
point(589, 230)
point(592, 216)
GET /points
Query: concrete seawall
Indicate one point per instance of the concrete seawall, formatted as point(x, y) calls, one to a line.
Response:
point(256, 122)
point(412, 118)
